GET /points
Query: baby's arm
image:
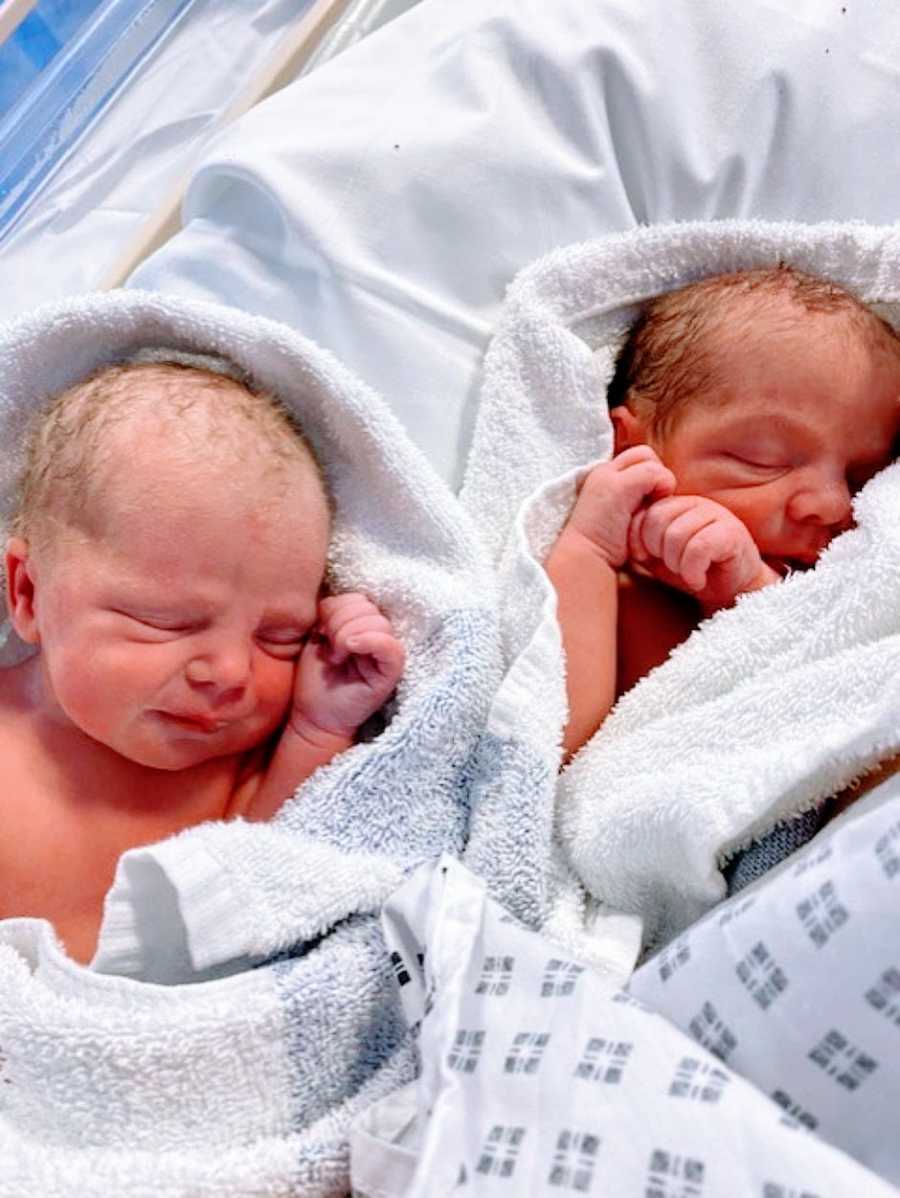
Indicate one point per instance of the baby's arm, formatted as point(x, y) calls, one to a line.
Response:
point(583, 565)
point(698, 546)
point(348, 669)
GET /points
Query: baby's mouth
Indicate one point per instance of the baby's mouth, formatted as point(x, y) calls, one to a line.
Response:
point(791, 565)
point(193, 723)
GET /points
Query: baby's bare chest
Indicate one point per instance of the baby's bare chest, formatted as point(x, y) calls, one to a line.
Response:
point(653, 619)
point(65, 828)
point(52, 866)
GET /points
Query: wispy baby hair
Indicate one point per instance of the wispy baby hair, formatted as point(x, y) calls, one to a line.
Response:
point(669, 354)
point(74, 440)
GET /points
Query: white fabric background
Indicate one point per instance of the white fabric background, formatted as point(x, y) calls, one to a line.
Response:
point(382, 204)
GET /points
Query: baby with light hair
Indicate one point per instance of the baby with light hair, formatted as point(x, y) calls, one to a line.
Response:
point(166, 561)
point(748, 409)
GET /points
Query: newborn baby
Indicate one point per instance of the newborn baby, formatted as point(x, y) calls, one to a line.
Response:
point(748, 409)
point(166, 562)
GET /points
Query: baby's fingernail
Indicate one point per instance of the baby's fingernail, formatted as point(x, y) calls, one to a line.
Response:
point(353, 642)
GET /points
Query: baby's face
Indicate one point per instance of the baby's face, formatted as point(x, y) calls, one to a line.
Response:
point(173, 637)
point(803, 418)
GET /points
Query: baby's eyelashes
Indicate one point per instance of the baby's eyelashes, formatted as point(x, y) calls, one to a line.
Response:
point(281, 645)
point(278, 642)
point(759, 463)
point(160, 623)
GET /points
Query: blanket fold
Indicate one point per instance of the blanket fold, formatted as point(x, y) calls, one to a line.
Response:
point(767, 708)
point(255, 1004)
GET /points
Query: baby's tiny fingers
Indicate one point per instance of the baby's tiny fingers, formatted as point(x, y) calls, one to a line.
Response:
point(633, 456)
point(679, 534)
point(645, 480)
point(380, 658)
point(336, 610)
point(360, 624)
point(706, 548)
point(637, 551)
point(659, 516)
point(695, 563)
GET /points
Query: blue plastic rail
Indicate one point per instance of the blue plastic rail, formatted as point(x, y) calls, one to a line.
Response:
point(63, 101)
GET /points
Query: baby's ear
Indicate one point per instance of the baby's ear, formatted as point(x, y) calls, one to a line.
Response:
point(20, 590)
point(628, 428)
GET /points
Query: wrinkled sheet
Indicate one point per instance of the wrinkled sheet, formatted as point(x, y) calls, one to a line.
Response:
point(383, 203)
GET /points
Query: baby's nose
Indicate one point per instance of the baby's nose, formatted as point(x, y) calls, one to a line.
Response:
point(224, 669)
point(828, 503)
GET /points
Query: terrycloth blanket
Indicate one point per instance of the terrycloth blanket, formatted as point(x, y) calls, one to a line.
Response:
point(766, 709)
point(254, 1010)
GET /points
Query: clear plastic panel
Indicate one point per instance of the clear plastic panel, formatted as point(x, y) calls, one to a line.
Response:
point(61, 104)
point(35, 41)
point(91, 206)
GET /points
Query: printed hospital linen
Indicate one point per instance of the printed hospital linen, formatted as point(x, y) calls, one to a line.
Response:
point(795, 983)
point(539, 1078)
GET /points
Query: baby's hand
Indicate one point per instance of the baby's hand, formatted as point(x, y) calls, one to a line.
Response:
point(699, 546)
point(612, 493)
point(349, 667)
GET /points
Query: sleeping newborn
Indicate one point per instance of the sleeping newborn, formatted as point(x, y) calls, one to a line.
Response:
point(166, 561)
point(748, 409)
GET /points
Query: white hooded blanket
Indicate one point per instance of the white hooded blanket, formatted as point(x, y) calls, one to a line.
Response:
point(764, 711)
point(241, 1006)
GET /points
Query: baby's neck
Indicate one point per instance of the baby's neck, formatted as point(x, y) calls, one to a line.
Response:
point(71, 807)
point(81, 771)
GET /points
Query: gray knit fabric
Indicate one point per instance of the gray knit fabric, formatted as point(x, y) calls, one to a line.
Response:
point(751, 863)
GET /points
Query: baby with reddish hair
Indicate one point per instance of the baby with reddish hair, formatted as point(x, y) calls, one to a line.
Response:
point(747, 409)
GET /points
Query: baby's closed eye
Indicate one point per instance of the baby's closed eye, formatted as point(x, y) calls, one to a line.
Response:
point(757, 461)
point(283, 643)
point(159, 621)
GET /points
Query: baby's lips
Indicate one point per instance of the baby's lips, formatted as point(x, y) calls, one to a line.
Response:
point(790, 565)
point(778, 565)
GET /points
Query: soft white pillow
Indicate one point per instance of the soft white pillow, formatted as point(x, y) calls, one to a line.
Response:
point(382, 204)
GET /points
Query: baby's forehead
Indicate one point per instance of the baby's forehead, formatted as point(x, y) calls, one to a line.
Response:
point(192, 407)
point(776, 321)
point(135, 429)
point(156, 394)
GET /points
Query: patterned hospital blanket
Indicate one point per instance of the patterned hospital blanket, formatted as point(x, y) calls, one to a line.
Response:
point(776, 1016)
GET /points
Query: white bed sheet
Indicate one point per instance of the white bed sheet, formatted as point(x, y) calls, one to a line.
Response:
point(383, 203)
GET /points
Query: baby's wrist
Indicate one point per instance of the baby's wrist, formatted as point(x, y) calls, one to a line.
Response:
point(320, 734)
point(765, 576)
point(573, 542)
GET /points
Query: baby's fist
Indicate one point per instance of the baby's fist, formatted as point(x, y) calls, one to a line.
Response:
point(349, 667)
point(699, 546)
point(610, 495)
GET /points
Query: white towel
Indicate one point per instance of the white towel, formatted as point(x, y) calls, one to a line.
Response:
point(767, 708)
point(182, 1087)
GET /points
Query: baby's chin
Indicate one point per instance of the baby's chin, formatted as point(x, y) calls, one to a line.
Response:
point(171, 745)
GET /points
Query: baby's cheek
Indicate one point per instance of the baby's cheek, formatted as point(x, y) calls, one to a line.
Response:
point(275, 685)
point(96, 688)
